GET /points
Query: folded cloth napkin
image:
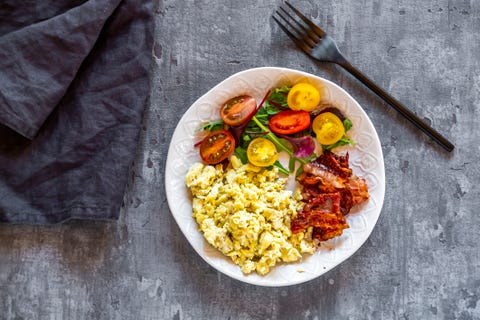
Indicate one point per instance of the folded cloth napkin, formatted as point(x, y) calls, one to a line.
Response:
point(74, 82)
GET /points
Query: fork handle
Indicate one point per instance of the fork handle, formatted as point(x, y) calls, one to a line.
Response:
point(404, 111)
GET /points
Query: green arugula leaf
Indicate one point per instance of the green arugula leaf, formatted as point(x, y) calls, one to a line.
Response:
point(291, 164)
point(277, 99)
point(241, 154)
point(245, 141)
point(299, 171)
point(281, 168)
point(262, 116)
point(212, 126)
point(347, 123)
point(342, 142)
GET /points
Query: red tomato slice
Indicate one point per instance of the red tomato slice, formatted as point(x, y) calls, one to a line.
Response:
point(217, 146)
point(289, 121)
point(238, 110)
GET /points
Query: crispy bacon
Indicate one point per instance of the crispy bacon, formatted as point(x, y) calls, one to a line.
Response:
point(335, 163)
point(358, 188)
point(326, 234)
point(346, 201)
point(324, 176)
point(330, 190)
point(329, 202)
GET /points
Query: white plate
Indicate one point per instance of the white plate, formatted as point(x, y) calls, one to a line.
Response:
point(366, 161)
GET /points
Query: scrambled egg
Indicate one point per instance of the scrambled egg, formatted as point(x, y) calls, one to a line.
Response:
point(245, 212)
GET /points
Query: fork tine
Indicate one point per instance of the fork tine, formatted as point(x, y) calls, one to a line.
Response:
point(306, 39)
point(312, 25)
point(310, 37)
point(297, 41)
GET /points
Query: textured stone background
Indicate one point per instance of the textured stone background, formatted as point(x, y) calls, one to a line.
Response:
point(422, 260)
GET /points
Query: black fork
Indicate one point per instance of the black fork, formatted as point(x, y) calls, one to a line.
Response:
point(320, 46)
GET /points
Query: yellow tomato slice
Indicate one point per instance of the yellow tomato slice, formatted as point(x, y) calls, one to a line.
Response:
point(328, 128)
point(303, 96)
point(262, 152)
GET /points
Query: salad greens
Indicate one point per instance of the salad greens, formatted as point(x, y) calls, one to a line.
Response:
point(275, 103)
point(278, 99)
point(212, 126)
point(344, 140)
point(299, 148)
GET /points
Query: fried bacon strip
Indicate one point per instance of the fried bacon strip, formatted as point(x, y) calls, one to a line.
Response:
point(329, 190)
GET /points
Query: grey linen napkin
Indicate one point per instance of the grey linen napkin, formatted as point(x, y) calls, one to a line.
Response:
point(74, 82)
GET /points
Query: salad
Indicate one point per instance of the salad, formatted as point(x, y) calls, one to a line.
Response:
point(288, 119)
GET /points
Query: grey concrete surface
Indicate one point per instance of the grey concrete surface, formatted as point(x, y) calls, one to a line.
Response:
point(422, 260)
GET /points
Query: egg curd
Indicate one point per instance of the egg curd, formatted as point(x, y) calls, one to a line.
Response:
point(245, 211)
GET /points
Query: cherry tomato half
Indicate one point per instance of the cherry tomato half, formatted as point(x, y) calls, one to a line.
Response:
point(303, 96)
point(217, 146)
point(289, 121)
point(328, 128)
point(262, 152)
point(238, 110)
